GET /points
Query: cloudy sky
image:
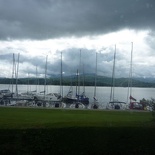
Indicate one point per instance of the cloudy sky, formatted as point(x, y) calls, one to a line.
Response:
point(39, 28)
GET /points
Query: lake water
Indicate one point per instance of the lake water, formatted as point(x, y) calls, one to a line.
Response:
point(102, 93)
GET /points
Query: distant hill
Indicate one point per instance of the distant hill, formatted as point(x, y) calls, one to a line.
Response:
point(89, 80)
point(148, 80)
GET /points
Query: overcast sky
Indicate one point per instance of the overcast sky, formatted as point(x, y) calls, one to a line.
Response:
point(37, 28)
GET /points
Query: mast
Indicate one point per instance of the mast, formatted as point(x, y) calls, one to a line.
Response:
point(83, 80)
point(13, 71)
point(37, 81)
point(61, 88)
point(112, 94)
point(45, 76)
point(77, 72)
point(79, 75)
point(28, 82)
point(16, 73)
point(130, 76)
point(95, 77)
point(131, 70)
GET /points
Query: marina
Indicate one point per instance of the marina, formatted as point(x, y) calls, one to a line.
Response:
point(51, 101)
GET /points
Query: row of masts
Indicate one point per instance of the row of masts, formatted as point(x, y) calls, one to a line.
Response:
point(129, 91)
point(15, 71)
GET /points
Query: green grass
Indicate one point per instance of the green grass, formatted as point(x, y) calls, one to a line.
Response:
point(19, 118)
point(62, 131)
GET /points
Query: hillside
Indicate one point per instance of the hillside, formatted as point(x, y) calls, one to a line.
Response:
point(87, 80)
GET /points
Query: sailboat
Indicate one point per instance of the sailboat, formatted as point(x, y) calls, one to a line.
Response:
point(114, 104)
point(82, 98)
point(95, 104)
point(79, 100)
point(133, 104)
point(29, 94)
point(15, 96)
point(39, 98)
point(70, 97)
point(44, 98)
point(6, 93)
point(75, 100)
point(60, 95)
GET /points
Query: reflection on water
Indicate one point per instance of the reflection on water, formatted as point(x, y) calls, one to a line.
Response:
point(103, 93)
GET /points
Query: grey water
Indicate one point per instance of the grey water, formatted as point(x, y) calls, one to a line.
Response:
point(102, 93)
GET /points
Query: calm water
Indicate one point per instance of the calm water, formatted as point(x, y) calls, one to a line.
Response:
point(102, 93)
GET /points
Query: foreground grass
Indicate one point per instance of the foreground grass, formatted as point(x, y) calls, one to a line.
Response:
point(20, 118)
point(60, 131)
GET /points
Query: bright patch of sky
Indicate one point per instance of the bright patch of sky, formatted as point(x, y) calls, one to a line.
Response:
point(104, 44)
point(121, 39)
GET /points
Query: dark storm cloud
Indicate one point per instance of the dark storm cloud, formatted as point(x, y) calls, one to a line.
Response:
point(38, 19)
point(87, 61)
point(73, 61)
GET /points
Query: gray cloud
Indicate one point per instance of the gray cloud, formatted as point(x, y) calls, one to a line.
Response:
point(71, 62)
point(37, 19)
point(150, 41)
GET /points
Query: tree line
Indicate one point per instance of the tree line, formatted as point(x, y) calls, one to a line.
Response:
point(88, 80)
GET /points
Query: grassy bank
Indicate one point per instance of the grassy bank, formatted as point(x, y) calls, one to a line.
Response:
point(60, 131)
